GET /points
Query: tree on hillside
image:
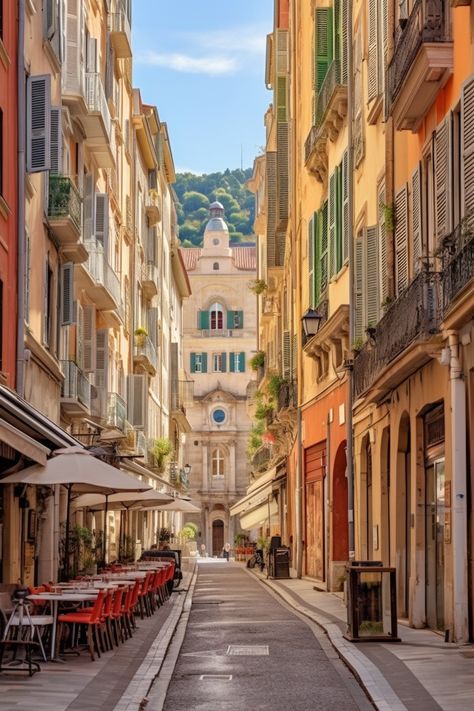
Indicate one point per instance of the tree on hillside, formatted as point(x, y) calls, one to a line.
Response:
point(193, 200)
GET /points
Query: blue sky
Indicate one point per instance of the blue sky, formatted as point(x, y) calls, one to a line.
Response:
point(202, 63)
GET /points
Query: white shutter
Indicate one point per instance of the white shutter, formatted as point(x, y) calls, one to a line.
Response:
point(79, 336)
point(101, 372)
point(373, 64)
point(137, 400)
point(50, 14)
point(56, 141)
point(91, 56)
point(371, 280)
point(67, 294)
point(73, 44)
point(345, 207)
point(442, 168)
point(89, 338)
point(401, 240)
point(101, 220)
point(38, 123)
point(88, 206)
point(416, 220)
point(46, 304)
point(286, 354)
point(383, 267)
point(467, 148)
point(358, 287)
point(152, 324)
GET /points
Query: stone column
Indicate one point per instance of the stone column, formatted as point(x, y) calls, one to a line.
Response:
point(205, 466)
point(231, 480)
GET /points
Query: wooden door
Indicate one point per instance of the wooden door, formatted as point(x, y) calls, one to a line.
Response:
point(217, 537)
point(315, 470)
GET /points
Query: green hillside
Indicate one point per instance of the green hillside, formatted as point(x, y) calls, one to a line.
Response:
point(196, 192)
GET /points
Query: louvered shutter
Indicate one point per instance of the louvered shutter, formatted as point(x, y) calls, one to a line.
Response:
point(324, 43)
point(241, 367)
point(137, 400)
point(73, 44)
point(286, 354)
point(152, 325)
point(401, 240)
point(223, 362)
point(79, 336)
point(281, 97)
point(204, 362)
point(101, 378)
point(56, 141)
point(416, 217)
point(46, 304)
point(358, 287)
point(324, 252)
point(233, 365)
point(101, 220)
point(193, 362)
point(371, 277)
point(467, 148)
point(240, 315)
point(384, 26)
point(89, 338)
point(91, 56)
point(230, 319)
point(311, 260)
point(38, 123)
point(294, 356)
point(343, 36)
point(332, 207)
point(373, 64)
point(317, 224)
point(345, 207)
point(282, 51)
point(203, 320)
point(88, 206)
point(67, 294)
point(442, 168)
point(383, 268)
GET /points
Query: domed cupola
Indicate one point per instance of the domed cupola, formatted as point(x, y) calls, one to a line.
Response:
point(216, 233)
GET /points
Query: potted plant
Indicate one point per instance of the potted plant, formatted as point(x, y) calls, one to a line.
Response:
point(258, 286)
point(161, 451)
point(89, 565)
point(141, 335)
point(258, 360)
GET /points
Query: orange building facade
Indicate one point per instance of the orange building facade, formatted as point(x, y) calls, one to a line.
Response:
point(8, 191)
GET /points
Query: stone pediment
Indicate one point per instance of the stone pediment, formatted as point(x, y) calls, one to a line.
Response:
point(219, 395)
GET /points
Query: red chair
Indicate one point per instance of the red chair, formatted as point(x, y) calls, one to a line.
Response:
point(116, 614)
point(91, 619)
point(134, 603)
point(143, 598)
point(125, 611)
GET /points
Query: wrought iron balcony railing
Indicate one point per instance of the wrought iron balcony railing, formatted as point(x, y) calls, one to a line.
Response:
point(414, 317)
point(331, 81)
point(76, 385)
point(428, 23)
point(116, 411)
point(96, 99)
point(101, 271)
point(458, 260)
point(64, 200)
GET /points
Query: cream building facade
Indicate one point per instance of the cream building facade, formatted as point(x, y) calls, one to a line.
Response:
point(219, 341)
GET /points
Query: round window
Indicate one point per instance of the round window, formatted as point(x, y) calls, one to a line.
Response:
point(218, 416)
point(215, 242)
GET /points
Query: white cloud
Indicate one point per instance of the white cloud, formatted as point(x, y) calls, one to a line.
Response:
point(242, 40)
point(213, 65)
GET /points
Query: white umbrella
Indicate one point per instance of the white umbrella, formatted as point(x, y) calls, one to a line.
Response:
point(180, 505)
point(80, 472)
point(132, 500)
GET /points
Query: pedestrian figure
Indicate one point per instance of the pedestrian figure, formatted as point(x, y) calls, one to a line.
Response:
point(226, 551)
point(203, 550)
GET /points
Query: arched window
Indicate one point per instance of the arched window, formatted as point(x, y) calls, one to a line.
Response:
point(216, 317)
point(217, 463)
point(215, 266)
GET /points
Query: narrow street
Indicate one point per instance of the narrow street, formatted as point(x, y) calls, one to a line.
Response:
point(244, 649)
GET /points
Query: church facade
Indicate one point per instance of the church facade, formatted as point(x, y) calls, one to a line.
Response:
point(220, 338)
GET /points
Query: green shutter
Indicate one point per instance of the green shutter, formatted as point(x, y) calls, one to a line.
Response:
point(242, 362)
point(310, 252)
point(281, 99)
point(204, 362)
point(358, 287)
point(324, 43)
point(203, 320)
point(241, 319)
point(232, 362)
point(339, 218)
point(323, 249)
point(332, 201)
point(230, 319)
point(193, 362)
point(317, 221)
point(224, 362)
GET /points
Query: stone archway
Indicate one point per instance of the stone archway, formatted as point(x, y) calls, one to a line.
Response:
point(385, 523)
point(217, 536)
point(340, 544)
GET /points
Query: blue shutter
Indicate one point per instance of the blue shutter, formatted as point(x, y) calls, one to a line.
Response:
point(193, 362)
point(241, 319)
point(242, 362)
point(203, 320)
point(204, 362)
point(232, 362)
point(224, 362)
point(230, 319)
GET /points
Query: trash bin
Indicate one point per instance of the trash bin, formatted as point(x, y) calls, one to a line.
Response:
point(371, 602)
point(279, 562)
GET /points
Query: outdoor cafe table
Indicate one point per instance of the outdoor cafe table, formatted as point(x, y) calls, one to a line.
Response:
point(56, 598)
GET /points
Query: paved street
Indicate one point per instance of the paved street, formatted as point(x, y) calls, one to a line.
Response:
point(245, 649)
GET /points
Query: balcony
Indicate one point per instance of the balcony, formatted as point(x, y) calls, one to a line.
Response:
point(116, 411)
point(261, 458)
point(144, 354)
point(421, 65)
point(97, 123)
point(331, 102)
point(65, 217)
point(287, 397)
point(315, 155)
point(120, 34)
point(402, 340)
point(182, 392)
point(149, 280)
point(458, 274)
point(75, 390)
point(152, 207)
point(98, 279)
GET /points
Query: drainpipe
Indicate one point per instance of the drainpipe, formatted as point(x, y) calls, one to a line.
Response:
point(350, 241)
point(459, 476)
point(298, 499)
point(20, 331)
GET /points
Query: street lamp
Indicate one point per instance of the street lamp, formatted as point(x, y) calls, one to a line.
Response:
point(311, 322)
point(186, 470)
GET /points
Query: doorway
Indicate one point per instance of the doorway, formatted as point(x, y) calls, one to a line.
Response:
point(217, 536)
point(434, 531)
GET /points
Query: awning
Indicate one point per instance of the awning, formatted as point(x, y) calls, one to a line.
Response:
point(21, 442)
point(257, 493)
point(259, 516)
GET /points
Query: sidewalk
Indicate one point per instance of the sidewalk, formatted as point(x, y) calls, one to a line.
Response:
point(422, 673)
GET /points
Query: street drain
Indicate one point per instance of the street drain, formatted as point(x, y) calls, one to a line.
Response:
point(206, 602)
point(248, 650)
point(215, 677)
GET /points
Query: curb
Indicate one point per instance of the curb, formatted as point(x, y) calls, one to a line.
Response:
point(135, 696)
point(366, 672)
